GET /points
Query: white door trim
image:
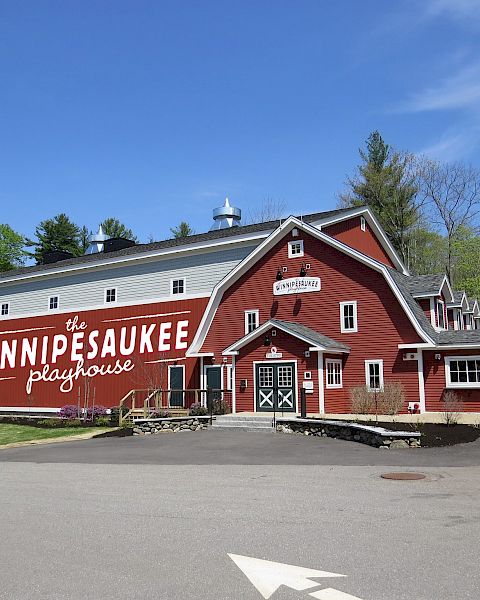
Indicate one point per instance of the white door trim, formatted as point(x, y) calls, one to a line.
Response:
point(259, 362)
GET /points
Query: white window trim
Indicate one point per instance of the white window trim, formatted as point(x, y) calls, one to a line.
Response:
point(342, 319)
point(440, 304)
point(8, 309)
point(333, 361)
point(459, 385)
point(363, 224)
point(367, 374)
point(105, 295)
point(255, 311)
point(58, 302)
point(295, 243)
point(184, 286)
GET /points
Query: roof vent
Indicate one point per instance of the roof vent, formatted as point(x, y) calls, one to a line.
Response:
point(97, 242)
point(226, 216)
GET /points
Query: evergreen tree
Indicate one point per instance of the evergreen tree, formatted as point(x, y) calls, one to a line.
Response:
point(59, 233)
point(182, 230)
point(386, 182)
point(12, 254)
point(115, 228)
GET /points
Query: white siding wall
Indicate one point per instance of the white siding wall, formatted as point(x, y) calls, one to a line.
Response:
point(136, 283)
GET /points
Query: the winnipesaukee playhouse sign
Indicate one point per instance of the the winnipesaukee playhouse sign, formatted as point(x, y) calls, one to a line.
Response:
point(61, 350)
point(296, 285)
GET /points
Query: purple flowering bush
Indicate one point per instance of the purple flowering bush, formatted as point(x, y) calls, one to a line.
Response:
point(69, 411)
point(160, 414)
point(197, 410)
point(94, 412)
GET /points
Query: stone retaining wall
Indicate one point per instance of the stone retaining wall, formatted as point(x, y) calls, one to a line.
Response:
point(365, 434)
point(170, 425)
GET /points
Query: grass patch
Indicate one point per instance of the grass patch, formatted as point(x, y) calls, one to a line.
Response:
point(10, 434)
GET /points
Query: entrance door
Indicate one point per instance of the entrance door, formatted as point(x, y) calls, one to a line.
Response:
point(275, 387)
point(214, 380)
point(176, 382)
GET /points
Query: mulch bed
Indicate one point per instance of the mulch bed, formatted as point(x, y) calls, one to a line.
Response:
point(435, 434)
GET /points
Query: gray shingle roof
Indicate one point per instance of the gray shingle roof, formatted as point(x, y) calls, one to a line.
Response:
point(425, 284)
point(459, 337)
point(457, 295)
point(173, 243)
point(402, 282)
point(317, 338)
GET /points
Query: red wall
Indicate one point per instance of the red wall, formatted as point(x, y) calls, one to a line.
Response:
point(435, 382)
point(110, 388)
point(349, 232)
point(382, 322)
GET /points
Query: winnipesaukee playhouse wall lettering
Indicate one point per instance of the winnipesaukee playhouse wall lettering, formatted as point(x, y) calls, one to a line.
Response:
point(94, 344)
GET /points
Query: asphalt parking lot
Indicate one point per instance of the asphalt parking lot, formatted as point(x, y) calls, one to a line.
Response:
point(158, 516)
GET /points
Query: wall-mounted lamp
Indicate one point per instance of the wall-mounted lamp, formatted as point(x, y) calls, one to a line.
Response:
point(303, 270)
point(279, 275)
point(267, 341)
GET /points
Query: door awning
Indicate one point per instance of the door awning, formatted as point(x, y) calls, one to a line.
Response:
point(317, 342)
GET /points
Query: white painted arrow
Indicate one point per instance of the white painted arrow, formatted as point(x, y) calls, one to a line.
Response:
point(268, 576)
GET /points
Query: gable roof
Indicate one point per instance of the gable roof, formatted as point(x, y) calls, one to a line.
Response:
point(424, 286)
point(459, 299)
point(316, 340)
point(415, 315)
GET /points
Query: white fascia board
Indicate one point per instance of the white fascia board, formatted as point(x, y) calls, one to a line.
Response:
point(375, 225)
point(261, 250)
point(449, 288)
point(458, 346)
point(410, 346)
point(160, 254)
point(426, 295)
point(329, 350)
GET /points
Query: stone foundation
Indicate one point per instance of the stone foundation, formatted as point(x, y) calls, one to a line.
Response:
point(365, 434)
point(171, 425)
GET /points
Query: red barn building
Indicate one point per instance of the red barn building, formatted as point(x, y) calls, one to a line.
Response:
point(321, 302)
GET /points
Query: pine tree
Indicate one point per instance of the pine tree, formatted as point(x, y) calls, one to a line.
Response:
point(182, 230)
point(59, 233)
point(115, 228)
point(386, 182)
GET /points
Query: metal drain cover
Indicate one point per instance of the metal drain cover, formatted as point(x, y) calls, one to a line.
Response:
point(403, 476)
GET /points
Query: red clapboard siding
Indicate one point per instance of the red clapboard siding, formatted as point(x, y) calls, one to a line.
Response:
point(425, 305)
point(381, 320)
point(109, 389)
point(349, 232)
point(435, 382)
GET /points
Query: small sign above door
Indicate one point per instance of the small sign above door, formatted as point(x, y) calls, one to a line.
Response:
point(296, 285)
point(273, 353)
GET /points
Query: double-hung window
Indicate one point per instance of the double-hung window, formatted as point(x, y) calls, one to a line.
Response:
point(178, 286)
point(462, 371)
point(348, 317)
point(110, 295)
point(5, 310)
point(441, 314)
point(252, 320)
point(374, 375)
point(333, 369)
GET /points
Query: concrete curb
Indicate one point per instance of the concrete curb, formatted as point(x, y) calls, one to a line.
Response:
point(66, 438)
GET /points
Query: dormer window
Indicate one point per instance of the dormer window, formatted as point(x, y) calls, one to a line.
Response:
point(295, 249)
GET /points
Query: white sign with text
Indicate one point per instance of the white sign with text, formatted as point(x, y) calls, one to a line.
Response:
point(296, 285)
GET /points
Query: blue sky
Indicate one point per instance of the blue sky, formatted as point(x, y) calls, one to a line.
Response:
point(154, 111)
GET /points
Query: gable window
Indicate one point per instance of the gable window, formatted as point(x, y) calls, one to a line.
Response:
point(178, 286)
point(441, 314)
point(333, 368)
point(295, 249)
point(5, 309)
point(348, 317)
point(53, 303)
point(252, 320)
point(462, 371)
point(110, 295)
point(363, 224)
point(374, 375)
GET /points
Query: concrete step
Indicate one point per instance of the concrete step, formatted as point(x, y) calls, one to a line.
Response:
point(244, 422)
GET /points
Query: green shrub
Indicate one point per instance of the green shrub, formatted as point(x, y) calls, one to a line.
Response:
point(72, 422)
point(103, 422)
point(55, 422)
